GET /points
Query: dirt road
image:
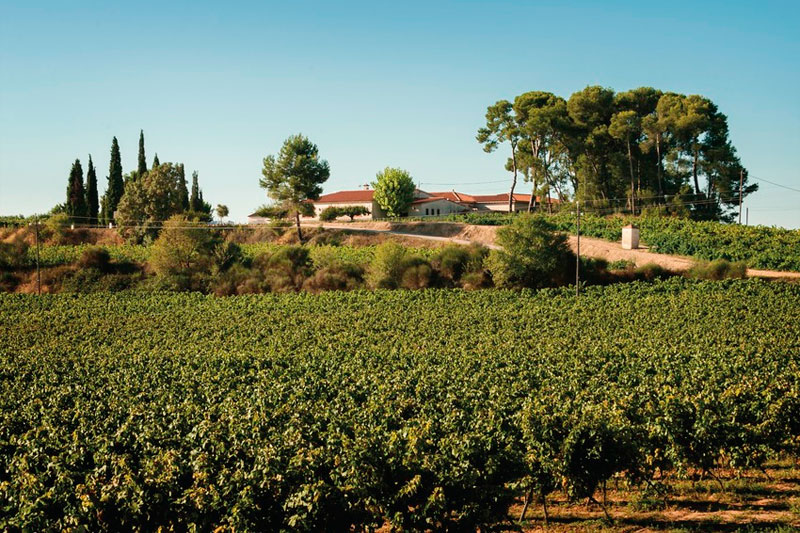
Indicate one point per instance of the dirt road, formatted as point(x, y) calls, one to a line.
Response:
point(590, 247)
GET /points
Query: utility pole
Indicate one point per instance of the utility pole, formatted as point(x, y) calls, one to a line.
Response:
point(578, 253)
point(741, 181)
point(38, 270)
point(746, 216)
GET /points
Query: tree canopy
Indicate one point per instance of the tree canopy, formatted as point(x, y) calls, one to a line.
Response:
point(295, 176)
point(394, 191)
point(621, 151)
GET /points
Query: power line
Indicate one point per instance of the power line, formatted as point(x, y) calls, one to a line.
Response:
point(776, 184)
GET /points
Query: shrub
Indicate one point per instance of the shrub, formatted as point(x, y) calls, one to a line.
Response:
point(341, 277)
point(386, 268)
point(452, 261)
point(95, 257)
point(719, 269)
point(475, 280)
point(286, 269)
point(225, 255)
point(8, 282)
point(13, 254)
point(532, 255)
point(651, 271)
point(183, 249)
point(417, 273)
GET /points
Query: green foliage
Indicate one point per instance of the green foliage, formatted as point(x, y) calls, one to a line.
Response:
point(295, 176)
point(386, 268)
point(222, 211)
point(116, 185)
point(333, 212)
point(149, 201)
point(13, 254)
point(183, 249)
point(718, 269)
point(95, 257)
point(532, 255)
point(142, 161)
point(394, 191)
point(92, 202)
point(76, 195)
point(342, 411)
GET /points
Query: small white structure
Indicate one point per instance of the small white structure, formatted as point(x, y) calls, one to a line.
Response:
point(630, 237)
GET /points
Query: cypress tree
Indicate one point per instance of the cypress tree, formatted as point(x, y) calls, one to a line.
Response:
point(142, 169)
point(115, 184)
point(183, 191)
point(156, 162)
point(195, 203)
point(92, 203)
point(76, 194)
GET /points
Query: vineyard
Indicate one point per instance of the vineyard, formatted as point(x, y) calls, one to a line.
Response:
point(758, 246)
point(433, 409)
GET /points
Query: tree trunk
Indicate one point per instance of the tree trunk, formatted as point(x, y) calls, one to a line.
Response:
point(658, 167)
point(544, 508)
point(299, 232)
point(514, 181)
point(633, 191)
point(525, 506)
point(694, 171)
point(532, 200)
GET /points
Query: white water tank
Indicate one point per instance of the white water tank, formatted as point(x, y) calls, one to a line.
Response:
point(630, 237)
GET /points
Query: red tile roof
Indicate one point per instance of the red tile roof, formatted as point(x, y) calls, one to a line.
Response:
point(360, 195)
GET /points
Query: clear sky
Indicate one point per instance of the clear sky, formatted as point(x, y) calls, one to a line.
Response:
point(219, 85)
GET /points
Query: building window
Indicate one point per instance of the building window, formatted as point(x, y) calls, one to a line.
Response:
point(426, 211)
point(437, 211)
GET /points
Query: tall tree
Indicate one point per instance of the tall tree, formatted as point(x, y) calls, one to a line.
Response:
point(183, 190)
point(195, 202)
point(394, 191)
point(156, 162)
point(295, 176)
point(142, 168)
point(541, 117)
point(76, 194)
point(626, 126)
point(116, 186)
point(92, 202)
point(501, 127)
point(149, 201)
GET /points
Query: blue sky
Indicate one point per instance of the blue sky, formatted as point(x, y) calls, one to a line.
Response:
point(219, 85)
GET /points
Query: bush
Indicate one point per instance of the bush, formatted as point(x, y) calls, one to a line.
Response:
point(452, 261)
point(285, 270)
point(89, 280)
point(95, 257)
point(475, 280)
point(341, 277)
point(386, 268)
point(417, 273)
point(719, 269)
point(651, 271)
point(8, 282)
point(225, 255)
point(13, 254)
point(183, 249)
point(532, 255)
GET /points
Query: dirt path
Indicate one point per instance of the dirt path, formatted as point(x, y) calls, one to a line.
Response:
point(591, 247)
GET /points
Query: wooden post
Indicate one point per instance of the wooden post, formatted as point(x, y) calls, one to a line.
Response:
point(578, 252)
point(741, 181)
point(38, 270)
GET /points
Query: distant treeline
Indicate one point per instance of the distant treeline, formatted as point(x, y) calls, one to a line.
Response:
point(635, 148)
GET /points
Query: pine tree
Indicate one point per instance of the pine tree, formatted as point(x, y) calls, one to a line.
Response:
point(183, 191)
point(92, 203)
point(115, 184)
point(142, 169)
point(156, 162)
point(76, 194)
point(195, 203)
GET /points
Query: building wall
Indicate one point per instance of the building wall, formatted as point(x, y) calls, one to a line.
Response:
point(437, 207)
